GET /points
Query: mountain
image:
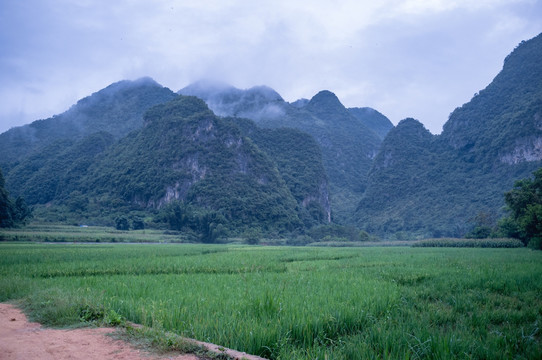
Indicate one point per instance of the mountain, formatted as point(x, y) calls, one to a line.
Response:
point(425, 185)
point(502, 124)
point(177, 151)
point(186, 153)
point(346, 138)
point(138, 148)
point(117, 109)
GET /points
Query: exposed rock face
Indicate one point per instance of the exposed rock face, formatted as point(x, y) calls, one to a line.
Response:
point(526, 150)
point(322, 199)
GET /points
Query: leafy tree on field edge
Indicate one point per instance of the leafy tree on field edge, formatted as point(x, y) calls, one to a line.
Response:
point(524, 202)
point(12, 213)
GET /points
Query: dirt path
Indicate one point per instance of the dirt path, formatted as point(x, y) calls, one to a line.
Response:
point(20, 339)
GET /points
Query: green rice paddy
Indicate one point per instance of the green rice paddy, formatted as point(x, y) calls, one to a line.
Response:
point(295, 303)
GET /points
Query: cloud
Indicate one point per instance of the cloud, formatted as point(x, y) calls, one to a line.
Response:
point(405, 58)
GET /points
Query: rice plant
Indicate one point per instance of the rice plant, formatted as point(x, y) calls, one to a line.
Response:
point(294, 303)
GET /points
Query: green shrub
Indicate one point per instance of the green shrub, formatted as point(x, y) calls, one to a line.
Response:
point(535, 243)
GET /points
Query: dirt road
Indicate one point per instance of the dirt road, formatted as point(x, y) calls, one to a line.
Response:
point(20, 339)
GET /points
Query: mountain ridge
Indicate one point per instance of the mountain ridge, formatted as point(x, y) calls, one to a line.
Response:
point(485, 146)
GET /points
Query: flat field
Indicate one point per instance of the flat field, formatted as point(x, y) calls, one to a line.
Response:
point(295, 302)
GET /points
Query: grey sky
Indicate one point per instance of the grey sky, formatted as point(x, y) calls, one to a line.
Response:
point(413, 58)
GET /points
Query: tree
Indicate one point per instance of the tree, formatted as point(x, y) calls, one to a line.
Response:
point(21, 211)
point(138, 223)
point(6, 206)
point(252, 236)
point(121, 223)
point(12, 213)
point(484, 224)
point(524, 203)
point(77, 201)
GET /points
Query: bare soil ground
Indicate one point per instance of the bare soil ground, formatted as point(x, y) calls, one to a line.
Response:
point(20, 339)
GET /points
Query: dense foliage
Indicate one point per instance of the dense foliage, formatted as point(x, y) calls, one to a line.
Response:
point(524, 202)
point(299, 161)
point(57, 171)
point(12, 213)
point(373, 120)
point(186, 153)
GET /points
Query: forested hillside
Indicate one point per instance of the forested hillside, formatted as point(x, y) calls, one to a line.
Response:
point(12, 212)
point(57, 169)
point(428, 186)
point(372, 119)
point(299, 160)
point(349, 138)
point(184, 166)
point(185, 153)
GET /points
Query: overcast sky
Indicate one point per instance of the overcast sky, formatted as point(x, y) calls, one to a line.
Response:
point(414, 58)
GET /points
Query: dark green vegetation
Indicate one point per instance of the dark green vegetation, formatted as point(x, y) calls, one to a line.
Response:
point(294, 303)
point(12, 213)
point(186, 169)
point(525, 204)
point(424, 185)
point(373, 120)
point(299, 161)
point(57, 171)
point(349, 138)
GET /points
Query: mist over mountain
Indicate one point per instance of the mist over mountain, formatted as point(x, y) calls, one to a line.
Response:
point(256, 103)
point(435, 185)
point(117, 109)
